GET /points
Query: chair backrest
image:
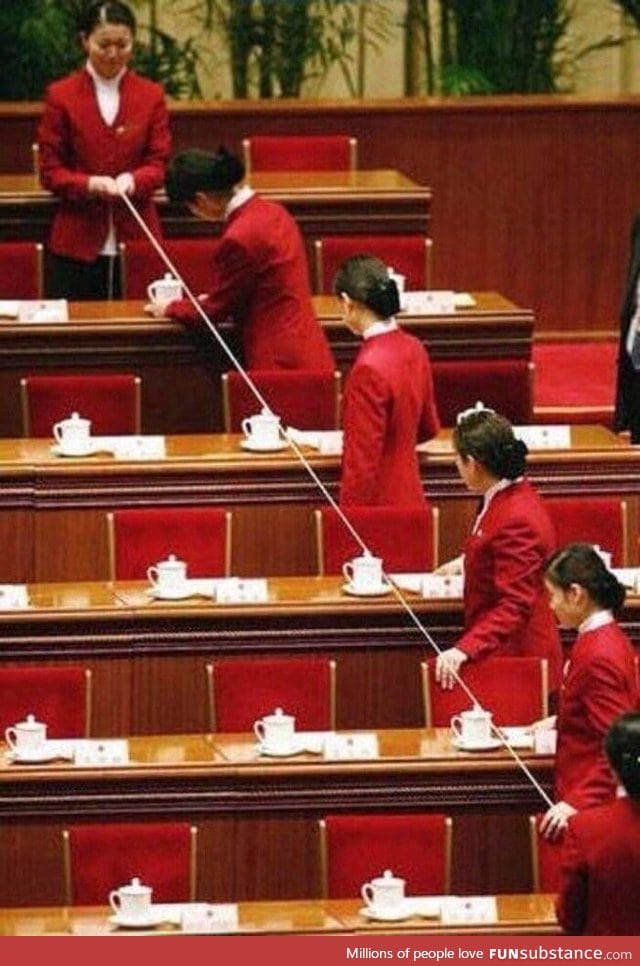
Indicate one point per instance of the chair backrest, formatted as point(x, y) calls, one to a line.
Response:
point(302, 398)
point(99, 858)
point(514, 689)
point(141, 265)
point(545, 858)
point(597, 520)
point(201, 536)
point(241, 691)
point(405, 537)
point(111, 402)
point(356, 848)
point(408, 255)
point(505, 385)
point(325, 152)
point(58, 696)
point(21, 270)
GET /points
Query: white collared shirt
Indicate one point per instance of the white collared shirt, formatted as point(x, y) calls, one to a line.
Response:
point(238, 198)
point(489, 495)
point(381, 327)
point(598, 619)
point(108, 97)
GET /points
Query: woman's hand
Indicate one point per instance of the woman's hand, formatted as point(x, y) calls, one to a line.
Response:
point(448, 665)
point(556, 819)
point(125, 183)
point(451, 568)
point(103, 186)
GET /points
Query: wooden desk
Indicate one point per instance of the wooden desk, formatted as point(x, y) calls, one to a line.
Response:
point(52, 510)
point(118, 336)
point(258, 817)
point(530, 914)
point(322, 202)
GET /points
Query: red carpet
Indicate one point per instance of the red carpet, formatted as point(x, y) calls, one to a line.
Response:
point(574, 381)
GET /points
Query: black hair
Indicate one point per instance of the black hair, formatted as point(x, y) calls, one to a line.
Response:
point(490, 439)
point(622, 745)
point(578, 563)
point(97, 13)
point(366, 279)
point(194, 170)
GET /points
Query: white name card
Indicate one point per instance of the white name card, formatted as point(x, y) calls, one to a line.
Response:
point(9, 308)
point(344, 747)
point(544, 437)
point(442, 585)
point(429, 302)
point(139, 447)
point(455, 910)
point(233, 590)
point(112, 751)
point(209, 917)
point(49, 310)
point(13, 596)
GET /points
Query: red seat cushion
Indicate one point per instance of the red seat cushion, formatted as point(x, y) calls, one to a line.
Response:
point(20, 267)
point(192, 258)
point(583, 519)
point(109, 401)
point(57, 696)
point(402, 536)
point(405, 254)
point(302, 398)
point(501, 384)
point(327, 152)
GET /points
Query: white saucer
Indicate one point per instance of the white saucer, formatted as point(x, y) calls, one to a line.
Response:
point(40, 758)
point(380, 591)
point(149, 922)
point(490, 745)
point(254, 447)
point(90, 451)
point(174, 595)
point(271, 752)
point(387, 915)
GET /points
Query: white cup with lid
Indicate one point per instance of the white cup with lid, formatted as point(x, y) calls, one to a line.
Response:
point(364, 574)
point(276, 731)
point(472, 727)
point(165, 290)
point(168, 577)
point(26, 738)
point(73, 435)
point(131, 902)
point(262, 430)
point(385, 893)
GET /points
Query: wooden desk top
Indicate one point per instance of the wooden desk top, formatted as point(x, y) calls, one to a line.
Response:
point(517, 914)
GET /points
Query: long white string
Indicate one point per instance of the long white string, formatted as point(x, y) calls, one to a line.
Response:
point(321, 486)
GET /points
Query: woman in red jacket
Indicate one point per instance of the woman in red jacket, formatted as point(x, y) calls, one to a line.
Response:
point(598, 685)
point(104, 132)
point(505, 604)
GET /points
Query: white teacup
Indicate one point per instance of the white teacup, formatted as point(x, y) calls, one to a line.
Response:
point(276, 730)
point(399, 279)
point(168, 576)
point(26, 737)
point(472, 727)
point(384, 893)
point(364, 573)
point(164, 290)
point(131, 901)
point(73, 435)
point(263, 429)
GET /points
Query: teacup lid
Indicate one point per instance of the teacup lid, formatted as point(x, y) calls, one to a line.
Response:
point(266, 414)
point(30, 723)
point(135, 888)
point(75, 418)
point(387, 879)
point(171, 560)
point(477, 711)
point(277, 716)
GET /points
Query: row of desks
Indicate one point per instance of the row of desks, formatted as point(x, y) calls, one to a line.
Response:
point(118, 337)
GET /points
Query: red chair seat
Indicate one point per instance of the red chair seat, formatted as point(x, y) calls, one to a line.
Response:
point(111, 402)
point(597, 520)
point(304, 399)
point(21, 275)
point(405, 537)
point(501, 384)
point(58, 696)
point(141, 265)
point(408, 255)
point(325, 152)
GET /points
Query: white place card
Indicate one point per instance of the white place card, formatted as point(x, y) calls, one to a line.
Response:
point(13, 596)
point(544, 437)
point(47, 310)
point(629, 577)
point(233, 590)
point(139, 447)
point(209, 917)
point(9, 308)
point(443, 585)
point(111, 751)
point(468, 910)
point(464, 300)
point(328, 442)
point(344, 747)
point(429, 302)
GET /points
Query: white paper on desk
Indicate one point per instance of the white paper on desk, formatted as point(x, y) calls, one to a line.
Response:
point(464, 300)
point(233, 590)
point(204, 917)
point(138, 447)
point(13, 596)
point(327, 441)
point(345, 747)
point(468, 910)
point(47, 310)
point(429, 302)
point(443, 585)
point(9, 308)
point(110, 751)
point(412, 582)
point(544, 437)
point(628, 576)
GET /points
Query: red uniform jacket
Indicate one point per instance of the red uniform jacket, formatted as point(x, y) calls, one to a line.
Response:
point(601, 871)
point(388, 407)
point(75, 143)
point(260, 276)
point(599, 685)
point(505, 602)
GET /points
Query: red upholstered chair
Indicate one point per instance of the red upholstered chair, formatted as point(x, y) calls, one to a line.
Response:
point(302, 398)
point(405, 537)
point(599, 520)
point(111, 402)
point(242, 691)
point(141, 265)
point(99, 858)
point(201, 536)
point(505, 385)
point(409, 255)
point(356, 848)
point(21, 274)
point(545, 859)
point(325, 152)
point(515, 689)
point(58, 696)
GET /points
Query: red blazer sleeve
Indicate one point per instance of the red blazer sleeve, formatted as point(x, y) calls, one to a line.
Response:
point(364, 432)
point(571, 906)
point(232, 283)
point(518, 558)
point(149, 174)
point(56, 170)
